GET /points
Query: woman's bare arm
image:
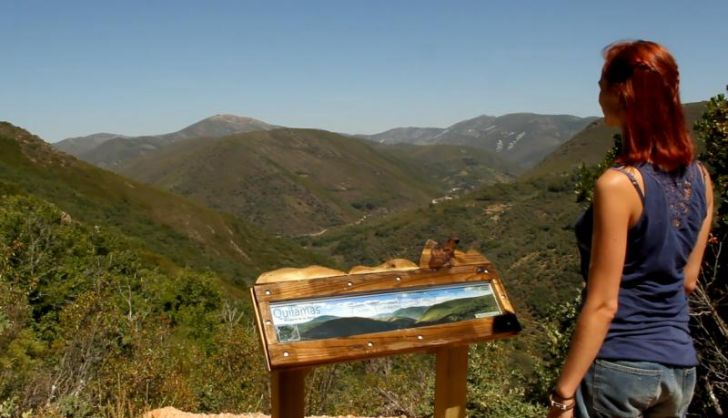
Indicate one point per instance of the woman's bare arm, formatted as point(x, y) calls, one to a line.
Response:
point(692, 268)
point(616, 206)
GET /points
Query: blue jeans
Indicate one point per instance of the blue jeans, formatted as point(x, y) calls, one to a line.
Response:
point(625, 389)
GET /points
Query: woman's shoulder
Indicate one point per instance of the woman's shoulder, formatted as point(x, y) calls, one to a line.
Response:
point(623, 183)
point(707, 183)
point(620, 178)
point(620, 196)
point(703, 170)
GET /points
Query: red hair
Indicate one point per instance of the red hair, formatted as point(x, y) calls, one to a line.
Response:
point(645, 77)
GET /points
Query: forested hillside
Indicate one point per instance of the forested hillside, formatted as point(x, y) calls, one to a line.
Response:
point(107, 309)
point(591, 144)
point(181, 230)
point(315, 179)
point(93, 324)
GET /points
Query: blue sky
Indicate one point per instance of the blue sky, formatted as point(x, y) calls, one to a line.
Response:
point(132, 67)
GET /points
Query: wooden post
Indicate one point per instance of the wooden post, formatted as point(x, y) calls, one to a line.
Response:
point(451, 382)
point(287, 389)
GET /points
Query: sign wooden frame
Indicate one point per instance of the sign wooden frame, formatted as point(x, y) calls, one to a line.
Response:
point(291, 355)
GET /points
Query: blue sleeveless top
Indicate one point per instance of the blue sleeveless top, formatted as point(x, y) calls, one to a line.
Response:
point(651, 323)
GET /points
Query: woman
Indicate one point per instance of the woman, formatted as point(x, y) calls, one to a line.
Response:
point(641, 243)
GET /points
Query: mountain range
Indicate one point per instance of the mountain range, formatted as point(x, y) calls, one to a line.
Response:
point(260, 172)
point(316, 179)
point(111, 150)
point(522, 139)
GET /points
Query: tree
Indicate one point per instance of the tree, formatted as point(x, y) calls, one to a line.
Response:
point(709, 304)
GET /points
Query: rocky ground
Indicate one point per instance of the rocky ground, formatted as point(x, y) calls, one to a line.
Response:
point(170, 412)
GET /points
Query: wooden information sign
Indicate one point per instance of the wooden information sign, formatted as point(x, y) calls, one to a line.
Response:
point(314, 316)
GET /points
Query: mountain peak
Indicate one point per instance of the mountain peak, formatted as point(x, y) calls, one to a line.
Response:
point(98, 148)
point(223, 124)
point(228, 117)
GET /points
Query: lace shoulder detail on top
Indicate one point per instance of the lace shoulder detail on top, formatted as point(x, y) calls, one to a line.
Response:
point(678, 189)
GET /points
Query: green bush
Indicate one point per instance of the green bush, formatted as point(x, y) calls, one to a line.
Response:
point(89, 327)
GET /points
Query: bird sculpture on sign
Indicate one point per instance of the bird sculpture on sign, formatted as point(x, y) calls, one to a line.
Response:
point(441, 255)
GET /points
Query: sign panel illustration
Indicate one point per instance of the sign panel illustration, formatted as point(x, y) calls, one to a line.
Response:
point(342, 316)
